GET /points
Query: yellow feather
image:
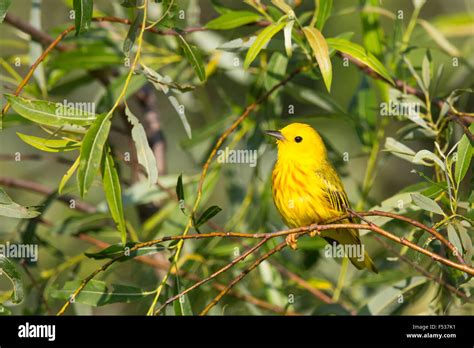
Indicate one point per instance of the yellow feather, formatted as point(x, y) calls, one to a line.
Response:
point(307, 189)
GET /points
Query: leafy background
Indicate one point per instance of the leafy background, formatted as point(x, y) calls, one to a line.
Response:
point(214, 92)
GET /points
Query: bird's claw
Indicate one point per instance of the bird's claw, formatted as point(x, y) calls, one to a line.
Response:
point(314, 230)
point(291, 241)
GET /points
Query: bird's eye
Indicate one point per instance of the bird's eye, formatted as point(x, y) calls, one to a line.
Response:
point(298, 139)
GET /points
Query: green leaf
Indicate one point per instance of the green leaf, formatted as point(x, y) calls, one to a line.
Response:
point(287, 32)
point(180, 192)
point(145, 154)
point(11, 209)
point(322, 13)
point(49, 145)
point(117, 250)
point(66, 177)
point(4, 5)
point(9, 269)
point(358, 52)
point(371, 29)
point(439, 38)
point(463, 157)
point(97, 293)
point(321, 53)
point(232, 19)
point(399, 149)
point(133, 31)
point(283, 6)
point(454, 238)
point(91, 152)
point(426, 70)
point(454, 24)
point(194, 58)
point(421, 155)
point(182, 306)
point(262, 39)
point(49, 113)
point(426, 203)
point(113, 193)
point(83, 14)
point(207, 215)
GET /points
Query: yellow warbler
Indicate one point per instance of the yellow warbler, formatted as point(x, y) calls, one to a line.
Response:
point(307, 189)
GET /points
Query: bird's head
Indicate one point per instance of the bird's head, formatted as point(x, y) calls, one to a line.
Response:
point(299, 142)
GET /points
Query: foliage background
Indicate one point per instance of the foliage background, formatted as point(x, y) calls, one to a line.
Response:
point(348, 119)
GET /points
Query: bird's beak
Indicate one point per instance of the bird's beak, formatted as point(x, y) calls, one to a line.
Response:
point(275, 134)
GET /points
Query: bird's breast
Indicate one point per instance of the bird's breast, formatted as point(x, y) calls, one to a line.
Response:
point(298, 195)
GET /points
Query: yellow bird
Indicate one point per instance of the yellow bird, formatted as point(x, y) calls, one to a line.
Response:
point(307, 189)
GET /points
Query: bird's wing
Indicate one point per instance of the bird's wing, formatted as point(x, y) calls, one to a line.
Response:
point(333, 189)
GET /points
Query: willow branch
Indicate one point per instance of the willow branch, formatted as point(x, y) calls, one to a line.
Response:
point(241, 276)
point(212, 276)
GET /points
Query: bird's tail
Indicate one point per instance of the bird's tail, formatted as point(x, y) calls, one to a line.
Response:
point(351, 243)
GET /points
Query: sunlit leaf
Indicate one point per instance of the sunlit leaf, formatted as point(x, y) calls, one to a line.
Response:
point(49, 145)
point(66, 177)
point(358, 52)
point(49, 113)
point(233, 19)
point(321, 53)
point(463, 157)
point(262, 39)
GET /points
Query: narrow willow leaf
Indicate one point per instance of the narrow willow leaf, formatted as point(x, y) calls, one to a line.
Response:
point(4, 5)
point(11, 209)
point(421, 155)
point(262, 39)
point(322, 13)
point(133, 32)
point(49, 145)
point(83, 14)
point(463, 157)
point(371, 29)
point(91, 152)
point(9, 269)
point(287, 31)
point(49, 113)
point(97, 293)
point(117, 250)
point(439, 38)
point(66, 177)
point(399, 149)
point(282, 5)
point(113, 193)
point(426, 70)
point(321, 53)
point(454, 24)
point(358, 52)
point(454, 238)
point(194, 58)
point(180, 192)
point(233, 19)
point(466, 242)
point(183, 305)
point(207, 215)
point(145, 154)
point(86, 57)
point(426, 203)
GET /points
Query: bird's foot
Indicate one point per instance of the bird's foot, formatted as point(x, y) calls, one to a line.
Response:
point(314, 230)
point(291, 241)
